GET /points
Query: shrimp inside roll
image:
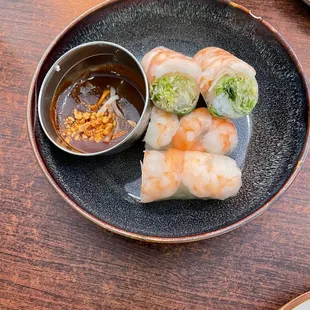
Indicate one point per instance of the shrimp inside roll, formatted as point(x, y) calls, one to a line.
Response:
point(173, 80)
point(227, 83)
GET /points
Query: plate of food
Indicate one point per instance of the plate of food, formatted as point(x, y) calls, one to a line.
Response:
point(169, 121)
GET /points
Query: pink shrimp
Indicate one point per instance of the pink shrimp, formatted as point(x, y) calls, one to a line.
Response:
point(191, 174)
point(161, 129)
point(197, 131)
point(208, 175)
point(161, 174)
point(190, 129)
point(215, 62)
point(146, 60)
point(167, 62)
point(161, 61)
point(221, 138)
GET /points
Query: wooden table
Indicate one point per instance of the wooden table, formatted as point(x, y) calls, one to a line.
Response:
point(52, 258)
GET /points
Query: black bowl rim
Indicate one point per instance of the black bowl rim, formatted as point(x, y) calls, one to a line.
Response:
point(183, 239)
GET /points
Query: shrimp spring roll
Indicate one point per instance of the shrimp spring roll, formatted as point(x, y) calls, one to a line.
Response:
point(175, 174)
point(227, 83)
point(197, 131)
point(161, 130)
point(173, 80)
point(201, 131)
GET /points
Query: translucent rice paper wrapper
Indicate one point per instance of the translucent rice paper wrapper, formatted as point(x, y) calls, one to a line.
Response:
point(197, 131)
point(172, 77)
point(161, 129)
point(227, 83)
point(174, 174)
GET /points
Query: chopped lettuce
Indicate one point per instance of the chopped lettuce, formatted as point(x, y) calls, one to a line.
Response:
point(175, 93)
point(241, 92)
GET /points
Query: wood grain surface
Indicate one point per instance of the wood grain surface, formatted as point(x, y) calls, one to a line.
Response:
point(52, 258)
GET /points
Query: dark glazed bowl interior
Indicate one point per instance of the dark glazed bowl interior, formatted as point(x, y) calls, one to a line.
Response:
point(96, 187)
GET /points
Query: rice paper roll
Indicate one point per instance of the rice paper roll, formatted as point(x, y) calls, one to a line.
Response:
point(147, 58)
point(161, 129)
point(227, 83)
point(222, 137)
point(161, 174)
point(172, 77)
point(197, 131)
point(175, 174)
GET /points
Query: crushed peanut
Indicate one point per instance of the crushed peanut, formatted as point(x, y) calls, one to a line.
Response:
point(90, 126)
point(132, 123)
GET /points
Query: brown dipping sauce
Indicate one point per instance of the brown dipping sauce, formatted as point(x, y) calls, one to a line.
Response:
point(85, 92)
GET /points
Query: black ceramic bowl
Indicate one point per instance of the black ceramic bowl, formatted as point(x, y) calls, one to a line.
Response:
point(98, 187)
